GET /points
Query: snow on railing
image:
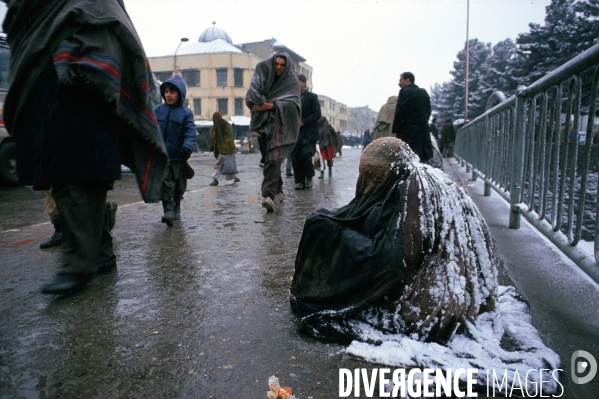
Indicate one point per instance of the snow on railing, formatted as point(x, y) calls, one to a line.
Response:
point(530, 151)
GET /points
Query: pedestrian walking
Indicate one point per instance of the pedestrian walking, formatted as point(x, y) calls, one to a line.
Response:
point(179, 134)
point(222, 144)
point(366, 139)
point(274, 101)
point(327, 143)
point(448, 134)
point(339, 143)
point(384, 119)
point(410, 122)
point(305, 146)
point(79, 107)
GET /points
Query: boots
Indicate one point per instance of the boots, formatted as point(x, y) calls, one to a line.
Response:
point(330, 171)
point(321, 174)
point(177, 210)
point(53, 241)
point(169, 212)
point(309, 182)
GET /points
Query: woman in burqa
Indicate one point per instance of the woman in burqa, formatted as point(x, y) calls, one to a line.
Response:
point(410, 254)
point(222, 144)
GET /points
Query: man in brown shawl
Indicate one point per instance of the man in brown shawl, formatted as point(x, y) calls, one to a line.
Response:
point(409, 255)
point(384, 120)
point(274, 99)
point(79, 107)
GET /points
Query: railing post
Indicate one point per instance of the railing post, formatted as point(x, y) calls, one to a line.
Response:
point(518, 165)
point(487, 192)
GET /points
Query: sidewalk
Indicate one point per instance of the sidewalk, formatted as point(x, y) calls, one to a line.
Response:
point(563, 300)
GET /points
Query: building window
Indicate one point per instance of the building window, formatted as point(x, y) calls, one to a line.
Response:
point(223, 106)
point(239, 106)
point(221, 77)
point(197, 106)
point(321, 103)
point(191, 77)
point(238, 77)
point(163, 76)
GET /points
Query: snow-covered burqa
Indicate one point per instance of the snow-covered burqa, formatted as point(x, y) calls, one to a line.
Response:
point(407, 271)
point(410, 254)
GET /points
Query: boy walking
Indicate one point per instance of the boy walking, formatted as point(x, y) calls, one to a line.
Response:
point(179, 134)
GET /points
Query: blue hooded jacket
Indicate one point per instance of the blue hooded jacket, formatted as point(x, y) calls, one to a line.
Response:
point(176, 121)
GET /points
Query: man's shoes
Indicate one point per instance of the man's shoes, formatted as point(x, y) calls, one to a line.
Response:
point(169, 213)
point(54, 240)
point(280, 197)
point(168, 220)
point(214, 183)
point(106, 266)
point(289, 174)
point(268, 204)
point(236, 180)
point(300, 186)
point(308, 182)
point(177, 211)
point(64, 283)
point(111, 208)
point(321, 175)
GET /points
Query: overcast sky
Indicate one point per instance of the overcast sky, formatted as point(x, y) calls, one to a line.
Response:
point(357, 48)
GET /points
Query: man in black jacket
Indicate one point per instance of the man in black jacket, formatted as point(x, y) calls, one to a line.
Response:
point(305, 146)
point(412, 112)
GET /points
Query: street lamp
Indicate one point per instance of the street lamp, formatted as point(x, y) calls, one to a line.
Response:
point(183, 40)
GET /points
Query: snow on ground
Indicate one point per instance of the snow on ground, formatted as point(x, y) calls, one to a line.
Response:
point(504, 341)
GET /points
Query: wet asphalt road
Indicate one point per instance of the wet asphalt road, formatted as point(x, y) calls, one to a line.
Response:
point(199, 310)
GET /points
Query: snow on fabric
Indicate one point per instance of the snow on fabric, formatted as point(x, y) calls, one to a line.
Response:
point(479, 347)
point(406, 266)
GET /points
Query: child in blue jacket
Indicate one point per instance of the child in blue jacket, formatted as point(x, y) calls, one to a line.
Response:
point(179, 134)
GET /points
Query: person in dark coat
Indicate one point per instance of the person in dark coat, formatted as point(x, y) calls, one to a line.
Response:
point(366, 139)
point(79, 107)
point(179, 134)
point(305, 146)
point(339, 143)
point(448, 134)
point(327, 143)
point(412, 113)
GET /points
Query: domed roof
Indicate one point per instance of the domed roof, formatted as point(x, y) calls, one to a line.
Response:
point(214, 33)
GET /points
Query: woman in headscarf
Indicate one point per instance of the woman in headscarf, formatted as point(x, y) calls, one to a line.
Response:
point(410, 254)
point(327, 143)
point(222, 144)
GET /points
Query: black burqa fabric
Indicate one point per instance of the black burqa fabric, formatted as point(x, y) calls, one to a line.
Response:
point(326, 285)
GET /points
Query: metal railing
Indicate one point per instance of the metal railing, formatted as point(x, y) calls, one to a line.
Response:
point(522, 151)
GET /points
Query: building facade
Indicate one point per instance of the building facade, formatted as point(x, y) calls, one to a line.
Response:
point(218, 74)
point(347, 119)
